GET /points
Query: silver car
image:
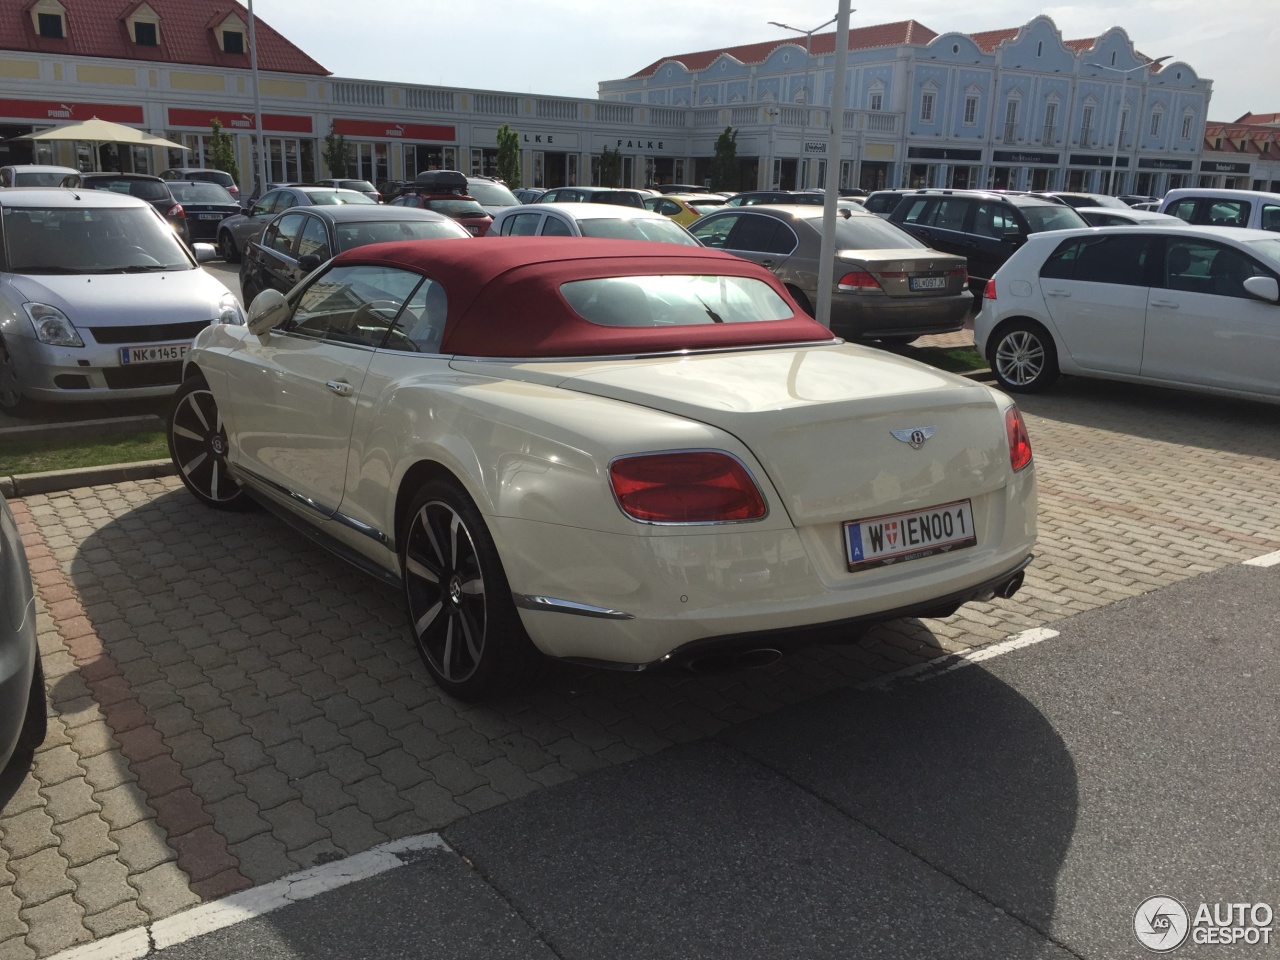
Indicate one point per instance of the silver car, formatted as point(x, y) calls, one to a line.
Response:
point(22, 697)
point(599, 220)
point(99, 299)
point(235, 232)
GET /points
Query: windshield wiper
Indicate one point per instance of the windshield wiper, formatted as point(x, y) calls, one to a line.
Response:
point(44, 268)
point(715, 317)
point(143, 268)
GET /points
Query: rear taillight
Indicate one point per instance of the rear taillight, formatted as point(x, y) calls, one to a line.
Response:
point(858, 280)
point(701, 486)
point(1019, 442)
point(176, 212)
point(989, 291)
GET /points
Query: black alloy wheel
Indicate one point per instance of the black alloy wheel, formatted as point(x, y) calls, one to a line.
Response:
point(463, 619)
point(198, 446)
point(1023, 357)
point(227, 247)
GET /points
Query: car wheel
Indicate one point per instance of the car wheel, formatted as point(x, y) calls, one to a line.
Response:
point(36, 724)
point(248, 291)
point(198, 446)
point(801, 300)
point(10, 391)
point(463, 619)
point(227, 247)
point(1023, 357)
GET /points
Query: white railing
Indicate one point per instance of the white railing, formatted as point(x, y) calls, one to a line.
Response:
point(615, 112)
point(420, 99)
point(360, 94)
point(495, 105)
point(709, 117)
point(557, 109)
point(667, 117)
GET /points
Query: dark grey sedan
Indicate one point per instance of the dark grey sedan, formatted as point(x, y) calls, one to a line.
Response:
point(22, 697)
point(235, 232)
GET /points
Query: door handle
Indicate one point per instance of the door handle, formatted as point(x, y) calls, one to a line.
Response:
point(1167, 304)
point(1057, 293)
point(340, 388)
point(766, 263)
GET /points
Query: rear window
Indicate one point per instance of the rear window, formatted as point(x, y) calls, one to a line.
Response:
point(1052, 218)
point(656, 301)
point(38, 178)
point(360, 234)
point(873, 233)
point(664, 231)
point(200, 192)
point(455, 208)
point(143, 189)
point(332, 197)
point(494, 194)
point(363, 186)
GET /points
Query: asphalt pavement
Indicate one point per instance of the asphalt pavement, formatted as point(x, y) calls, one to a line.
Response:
point(1020, 807)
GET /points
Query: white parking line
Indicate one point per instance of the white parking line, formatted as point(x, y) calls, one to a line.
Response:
point(255, 902)
point(931, 669)
point(1266, 560)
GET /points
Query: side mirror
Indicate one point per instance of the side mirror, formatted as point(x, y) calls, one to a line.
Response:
point(1264, 288)
point(268, 310)
point(308, 262)
point(205, 252)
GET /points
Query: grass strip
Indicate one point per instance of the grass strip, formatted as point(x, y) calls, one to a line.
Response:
point(45, 454)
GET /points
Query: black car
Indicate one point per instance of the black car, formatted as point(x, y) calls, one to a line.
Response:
point(982, 226)
point(300, 239)
point(207, 174)
point(752, 197)
point(882, 202)
point(206, 205)
point(154, 190)
point(622, 198)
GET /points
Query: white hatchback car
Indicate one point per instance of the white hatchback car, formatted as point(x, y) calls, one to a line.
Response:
point(1190, 307)
point(99, 299)
point(600, 220)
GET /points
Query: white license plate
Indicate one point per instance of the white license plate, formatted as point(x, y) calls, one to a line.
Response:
point(928, 283)
point(209, 216)
point(156, 354)
point(898, 537)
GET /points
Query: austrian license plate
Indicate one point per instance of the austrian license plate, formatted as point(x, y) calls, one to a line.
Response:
point(156, 354)
point(928, 283)
point(898, 537)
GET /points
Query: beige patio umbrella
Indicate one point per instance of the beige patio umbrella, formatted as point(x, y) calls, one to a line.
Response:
point(97, 132)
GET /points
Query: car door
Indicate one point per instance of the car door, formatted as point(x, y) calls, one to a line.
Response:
point(1204, 328)
point(276, 252)
point(520, 224)
point(761, 239)
point(294, 394)
point(1095, 289)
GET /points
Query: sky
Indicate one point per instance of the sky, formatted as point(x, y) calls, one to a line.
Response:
point(565, 47)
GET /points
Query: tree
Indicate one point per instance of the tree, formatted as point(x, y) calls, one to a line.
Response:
point(610, 167)
point(724, 165)
point(222, 150)
point(336, 153)
point(509, 156)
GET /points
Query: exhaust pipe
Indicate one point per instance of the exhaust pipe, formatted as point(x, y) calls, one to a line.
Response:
point(723, 662)
point(1011, 586)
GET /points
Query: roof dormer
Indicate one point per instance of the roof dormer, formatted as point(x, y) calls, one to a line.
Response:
point(143, 25)
point(231, 35)
point(49, 18)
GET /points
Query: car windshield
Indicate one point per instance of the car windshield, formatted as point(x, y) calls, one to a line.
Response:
point(363, 233)
point(664, 230)
point(142, 189)
point(455, 208)
point(1055, 217)
point(861, 232)
point(1268, 248)
point(494, 194)
point(90, 240)
point(200, 192)
point(38, 178)
point(329, 198)
point(655, 301)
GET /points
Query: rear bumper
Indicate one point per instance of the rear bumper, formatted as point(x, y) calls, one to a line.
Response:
point(866, 318)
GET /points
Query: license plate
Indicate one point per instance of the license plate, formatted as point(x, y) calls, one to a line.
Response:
point(898, 537)
point(156, 354)
point(209, 216)
point(928, 283)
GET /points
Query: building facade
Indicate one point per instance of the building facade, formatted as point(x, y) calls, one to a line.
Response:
point(1020, 108)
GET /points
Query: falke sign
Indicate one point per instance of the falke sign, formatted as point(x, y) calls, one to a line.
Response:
point(66, 110)
point(397, 131)
point(232, 120)
point(641, 144)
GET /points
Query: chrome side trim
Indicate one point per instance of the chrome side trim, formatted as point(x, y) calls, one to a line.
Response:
point(552, 605)
point(372, 533)
point(284, 491)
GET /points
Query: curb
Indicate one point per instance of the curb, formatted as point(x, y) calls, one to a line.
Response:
point(86, 428)
point(56, 481)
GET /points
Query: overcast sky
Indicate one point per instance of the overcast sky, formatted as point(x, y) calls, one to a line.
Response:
point(565, 47)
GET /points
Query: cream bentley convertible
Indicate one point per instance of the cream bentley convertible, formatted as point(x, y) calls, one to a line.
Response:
point(617, 453)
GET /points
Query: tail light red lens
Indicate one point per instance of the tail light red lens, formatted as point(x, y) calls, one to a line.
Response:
point(176, 212)
point(989, 291)
point(858, 280)
point(701, 486)
point(1019, 442)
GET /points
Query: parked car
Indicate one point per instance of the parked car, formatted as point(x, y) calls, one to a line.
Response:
point(618, 197)
point(491, 194)
point(1133, 199)
point(207, 174)
point(1114, 217)
point(684, 208)
point(882, 202)
point(235, 232)
point(1079, 200)
point(206, 206)
point(390, 189)
point(34, 175)
point(301, 239)
point(1186, 306)
point(699, 189)
point(528, 194)
point(359, 186)
point(23, 722)
point(982, 226)
point(143, 186)
point(888, 285)
point(1202, 206)
point(753, 197)
point(552, 445)
point(465, 209)
point(599, 220)
point(98, 298)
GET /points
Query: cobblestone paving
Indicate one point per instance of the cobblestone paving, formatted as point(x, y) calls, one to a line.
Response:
point(229, 704)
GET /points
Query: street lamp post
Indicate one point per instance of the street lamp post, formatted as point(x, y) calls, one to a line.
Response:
point(1124, 79)
point(808, 59)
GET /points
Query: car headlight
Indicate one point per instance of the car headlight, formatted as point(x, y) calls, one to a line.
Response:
point(229, 310)
point(52, 326)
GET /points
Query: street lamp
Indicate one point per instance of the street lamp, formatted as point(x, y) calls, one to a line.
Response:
point(1124, 79)
point(808, 58)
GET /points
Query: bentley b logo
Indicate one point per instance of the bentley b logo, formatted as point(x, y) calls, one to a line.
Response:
point(916, 436)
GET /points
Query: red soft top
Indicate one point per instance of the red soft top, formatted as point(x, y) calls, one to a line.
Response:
point(504, 295)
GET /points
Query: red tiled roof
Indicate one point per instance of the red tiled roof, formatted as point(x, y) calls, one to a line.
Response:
point(988, 40)
point(1242, 137)
point(862, 38)
point(97, 28)
point(1265, 119)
